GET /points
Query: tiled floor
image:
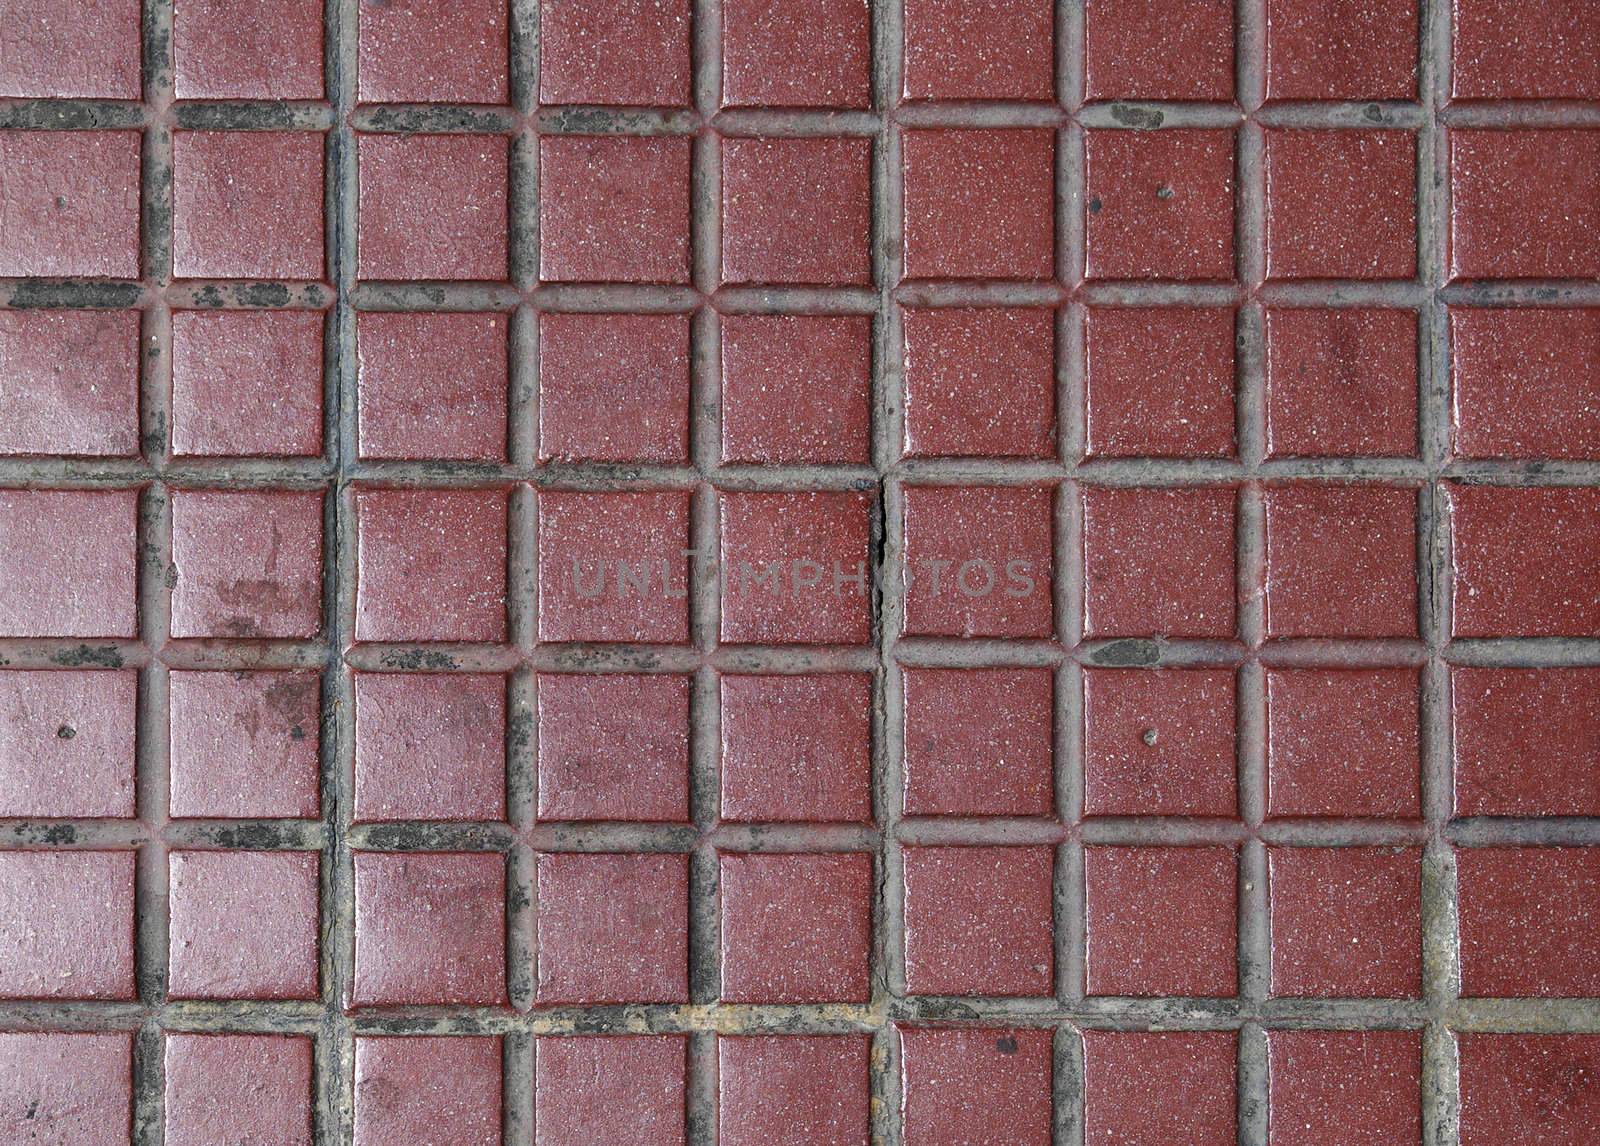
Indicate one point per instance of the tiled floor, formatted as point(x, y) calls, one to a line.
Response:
point(1137, 674)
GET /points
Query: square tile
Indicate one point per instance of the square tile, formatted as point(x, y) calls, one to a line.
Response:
point(69, 383)
point(274, 54)
point(1525, 204)
point(1160, 742)
point(612, 566)
point(1002, 1077)
point(1503, 720)
point(248, 563)
point(432, 207)
point(1161, 1086)
point(796, 388)
point(979, 383)
point(797, 748)
point(430, 929)
point(445, 1091)
point(979, 204)
point(243, 925)
point(68, 563)
point(615, 52)
point(1524, 49)
point(978, 561)
point(1156, 50)
point(1341, 204)
point(798, 53)
point(1346, 922)
point(67, 927)
point(619, 1088)
point(796, 928)
point(793, 1090)
point(1527, 921)
point(614, 208)
point(1525, 383)
point(1162, 921)
point(1341, 561)
point(430, 565)
point(979, 742)
point(430, 746)
point(247, 204)
point(431, 386)
point(1524, 561)
point(613, 747)
point(1326, 1087)
point(979, 49)
point(67, 744)
point(247, 383)
point(1366, 719)
point(612, 929)
point(1341, 383)
point(237, 1088)
point(243, 745)
point(978, 921)
point(79, 1086)
point(62, 49)
point(1159, 204)
point(796, 567)
point(1159, 382)
point(1341, 50)
point(433, 53)
point(1528, 1090)
point(797, 211)
point(69, 203)
point(614, 388)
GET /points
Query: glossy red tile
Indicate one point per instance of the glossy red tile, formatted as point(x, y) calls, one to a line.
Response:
point(1341, 50)
point(1341, 383)
point(979, 204)
point(247, 204)
point(1528, 1090)
point(1525, 383)
point(247, 383)
point(622, 1088)
point(243, 745)
point(1340, 204)
point(797, 211)
point(615, 52)
point(793, 1090)
point(1529, 921)
point(1155, 50)
point(614, 387)
point(1346, 922)
point(979, 49)
point(978, 742)
point(237, 1088)
point(796, 928)
point(67, 744)
point(1326, 1086)
point(416, 53)
point(242, 925)
point(1534, 49)
point(979, 382)
point(68, 563)
point(67, 925)
point(978, 921)
point(1145, 1087)
point(1004, 1081)
point(613, 747)
point(248, 563)
point(444, 1090)
point(1524, 204)
point(612, 566)
point(276, 53)
point(796, 388)
point(1365, 719)
point(431, 207)
point(1159, 204)
point(430, 746)
point(69, 383)
point(1161, 921)
point(1159, 743)
point(79, 1086)
point(1523, 740)
point(431, 386)
point(1523, 561)
point(614, 208)
point(798, 53)
point(797, 748)
point(69, 203)
point(59, 49)
point(1159, 382)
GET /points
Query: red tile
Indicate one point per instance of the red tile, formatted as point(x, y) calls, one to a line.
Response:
point(1159, 204)
point(797, 748)
point(67, 744)
point(445, 1091)
point(1161, 920)
point(1529, 1090)
point(1524, 561)
point(238, 1088)
point(67, 927)
point(430, 929)
point(800, 53)
point(797, 211)
point(69, 202)
point(243, 925)
point(979, 204)
point(1341, 561)
point(1523, 741)
point(796, 928)
point(978, 561)
point(1341, 383)
point(1341, 50)
point(978, 742)
point(69, 383)
point(1346, 922)
point(612, 929)
point(1329, 1087)
point(432, 207)
point(247, 383)
point(1366, 719)
point(1529, 921)
point(614, 387)
point(1525, 383)
point(275, 53)
point(444, 53)
point(77, 1087)
point(247, 204)
point(623, 1088)
point(1146, 1087)
point(1153, 49)
point(1004, 1080)
point(978, 921)
point(1159, 382)
point(793, 1090)
point(616, 52)
point(243, 745)
point(613, 747)
point(248, 563)
point(1524, 204)
point(614, 208)
point(979, 383)
point(1341, 204)
point(430, 746)
point(796, 568)
point(68, 565)
point(61, 49)
point(796, 388)
point(1159, 562)
point(611, 566)
point(432, 386)
point(430, 565)
point(979, 49)
point(1159, 743)
point(1525, 49)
